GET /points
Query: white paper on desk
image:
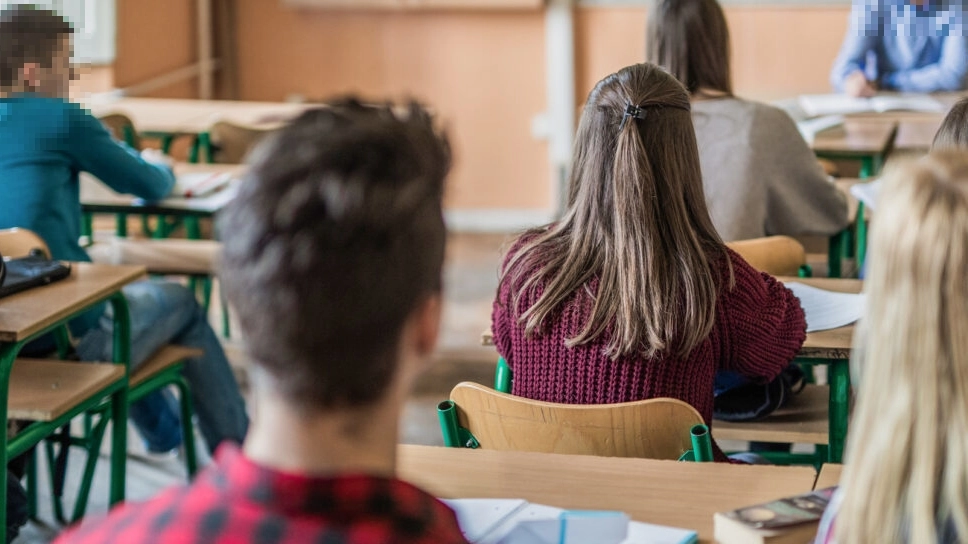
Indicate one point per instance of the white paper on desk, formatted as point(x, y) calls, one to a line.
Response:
point(809, 128)
point(868, 193)
point(839, 104)
point(827, 309)
point(200, 184)
point(515, 521)
point(646, 533)
point(477, 517)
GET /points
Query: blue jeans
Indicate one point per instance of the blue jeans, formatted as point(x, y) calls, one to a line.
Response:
point(167, 313)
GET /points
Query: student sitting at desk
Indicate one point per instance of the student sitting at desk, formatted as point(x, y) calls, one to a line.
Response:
point(45, 141)
point(906, 472)
point(333, 258)
point(759, 176)
point(633, 295)
point(903, 45)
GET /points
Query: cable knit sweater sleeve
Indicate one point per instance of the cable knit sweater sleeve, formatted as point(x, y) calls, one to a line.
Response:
point(763, 323)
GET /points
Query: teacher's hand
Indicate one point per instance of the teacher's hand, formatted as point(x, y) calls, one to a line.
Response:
point(856, 85)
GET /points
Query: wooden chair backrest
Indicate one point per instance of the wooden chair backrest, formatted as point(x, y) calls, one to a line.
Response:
point(654, 428)
point(232, 142)
point(776, 255)
point(17, 242)
point(122, 129)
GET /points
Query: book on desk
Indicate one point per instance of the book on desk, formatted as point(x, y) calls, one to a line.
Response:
point(815, 105)
point(791, 520)
point(200, 184)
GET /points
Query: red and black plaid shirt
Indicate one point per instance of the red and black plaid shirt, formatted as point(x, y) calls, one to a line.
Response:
point(236, 501)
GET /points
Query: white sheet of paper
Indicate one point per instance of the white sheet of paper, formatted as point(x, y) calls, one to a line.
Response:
point(646, 533)
point(477, 517)
point(868, 193)
point(827, 309)
point(200, 184)
point(809, 128)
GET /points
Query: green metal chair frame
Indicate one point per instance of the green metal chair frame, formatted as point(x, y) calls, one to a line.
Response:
point(169, 376)
point(37, 431)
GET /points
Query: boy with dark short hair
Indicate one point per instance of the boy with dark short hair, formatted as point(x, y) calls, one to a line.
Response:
point(332, 259)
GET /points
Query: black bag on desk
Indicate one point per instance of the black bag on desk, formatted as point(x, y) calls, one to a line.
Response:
point(18, 275)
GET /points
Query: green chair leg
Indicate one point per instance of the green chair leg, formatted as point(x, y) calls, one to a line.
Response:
point(702, 445)
point(121, 225)
point(31, 476)
point(188, 429)
point(502, 376)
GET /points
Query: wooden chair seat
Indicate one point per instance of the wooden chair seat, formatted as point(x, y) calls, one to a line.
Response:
point(776, 255)
point(805, 420)
point(165, 358)
point(43, 390)
point(182, 257)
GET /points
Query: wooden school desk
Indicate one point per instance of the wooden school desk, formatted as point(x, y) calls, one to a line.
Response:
point(866, 140)
point(829, 476)
point(188, 116)
point(26, 316)
point(97, 198)
point(832, 348)
point(678, 494)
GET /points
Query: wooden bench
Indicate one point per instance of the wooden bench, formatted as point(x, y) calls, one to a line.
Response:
point(161, 361)
point(805, 420)
point(43, 390)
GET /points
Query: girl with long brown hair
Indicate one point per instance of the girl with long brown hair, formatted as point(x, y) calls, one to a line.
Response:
point(632, 294)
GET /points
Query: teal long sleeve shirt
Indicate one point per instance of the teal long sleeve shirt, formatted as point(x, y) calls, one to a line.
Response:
point(44, 145)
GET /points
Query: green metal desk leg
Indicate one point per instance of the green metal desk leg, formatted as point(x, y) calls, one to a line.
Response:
point(867, 167)
point(835, 253)
point(839, 378)
point(119, 400)
point(166, 141)
point(121, 225)
point(8, 352)
point(861, 236)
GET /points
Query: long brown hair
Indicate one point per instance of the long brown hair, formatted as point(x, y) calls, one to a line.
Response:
point(953, 133)
point(690, 38)
point(636, 220)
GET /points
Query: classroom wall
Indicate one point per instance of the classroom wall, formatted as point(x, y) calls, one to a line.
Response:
point(154, 38)
point(485, 72)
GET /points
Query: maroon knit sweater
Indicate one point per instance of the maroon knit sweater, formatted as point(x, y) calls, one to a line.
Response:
point(759, 328)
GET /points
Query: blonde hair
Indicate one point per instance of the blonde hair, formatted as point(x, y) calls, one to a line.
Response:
point(906, 477)
point(636, 220)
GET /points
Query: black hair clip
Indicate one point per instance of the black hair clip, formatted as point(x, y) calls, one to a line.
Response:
point(633, 111)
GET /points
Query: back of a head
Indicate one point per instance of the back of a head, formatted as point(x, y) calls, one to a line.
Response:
point(953, 133)
point(637, 219)
point(335, 238)
point(907, 460)
point(690, 39)
point(28, 34)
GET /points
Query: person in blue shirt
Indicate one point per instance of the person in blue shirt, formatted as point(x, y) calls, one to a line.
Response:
point(45, 142)
point(903, 45)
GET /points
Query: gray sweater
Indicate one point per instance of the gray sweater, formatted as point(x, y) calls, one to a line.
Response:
point(760, 176)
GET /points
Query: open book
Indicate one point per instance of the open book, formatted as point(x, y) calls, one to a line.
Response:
point(827, 309)
point(809, 128)
point(200, 184)
point(516, 521)
point(838, 104)
point(790, 520)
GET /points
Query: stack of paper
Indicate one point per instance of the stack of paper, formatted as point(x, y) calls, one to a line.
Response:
point(516, 521)
point(827, 309)
point(838, 104)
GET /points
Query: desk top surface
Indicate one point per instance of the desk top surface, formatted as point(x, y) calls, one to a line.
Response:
point(829, 344)
point(189, 116)
point(29, 312)
point(95, 196)
point(829, 476)
point(662, 492)
point(858, 137)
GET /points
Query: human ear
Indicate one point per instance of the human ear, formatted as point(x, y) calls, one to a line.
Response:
point(30, 75)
